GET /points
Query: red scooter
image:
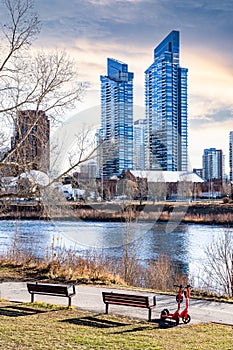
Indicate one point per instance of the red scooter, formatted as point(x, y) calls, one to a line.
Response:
point(186, 318)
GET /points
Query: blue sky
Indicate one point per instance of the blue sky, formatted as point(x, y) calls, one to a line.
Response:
point(92, 30)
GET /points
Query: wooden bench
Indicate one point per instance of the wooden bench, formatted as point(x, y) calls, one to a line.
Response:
point(129, 300)
point(51, 289)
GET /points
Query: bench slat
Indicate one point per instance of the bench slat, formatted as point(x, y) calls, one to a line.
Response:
point(48, 289)
point(127, 301)
point(116, 302)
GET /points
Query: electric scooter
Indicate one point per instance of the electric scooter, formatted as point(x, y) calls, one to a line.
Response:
point(184, 315)
point(186, 318)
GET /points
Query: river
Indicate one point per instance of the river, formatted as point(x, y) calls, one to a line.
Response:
point(184, 243)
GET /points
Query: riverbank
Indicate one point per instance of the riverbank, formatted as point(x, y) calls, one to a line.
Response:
point(196, 212)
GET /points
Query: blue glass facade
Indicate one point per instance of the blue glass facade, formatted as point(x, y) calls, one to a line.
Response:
point(231, 155)
point(166, 108)
point(139, 144)
point(213, 164)
point(117, 118)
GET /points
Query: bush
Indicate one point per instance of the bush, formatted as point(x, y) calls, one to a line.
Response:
point(226, 200)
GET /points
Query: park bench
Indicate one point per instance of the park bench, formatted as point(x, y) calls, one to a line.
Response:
point(129, 300)
point(51, 289)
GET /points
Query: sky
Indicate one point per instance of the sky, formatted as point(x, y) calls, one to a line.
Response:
point(129, 30)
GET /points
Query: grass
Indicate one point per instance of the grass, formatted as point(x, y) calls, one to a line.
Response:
point(38, 326)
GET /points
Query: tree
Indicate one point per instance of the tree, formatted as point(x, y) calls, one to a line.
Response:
point(219, 265)
point(157, 190)
point(37, 81)
point(46, 81)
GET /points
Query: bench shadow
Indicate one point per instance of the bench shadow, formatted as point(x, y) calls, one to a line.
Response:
point(94, 321)
point(134, 329)
point(163, 324)
point(17, 311)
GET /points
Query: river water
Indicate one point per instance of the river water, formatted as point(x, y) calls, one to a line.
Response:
point(184, 243)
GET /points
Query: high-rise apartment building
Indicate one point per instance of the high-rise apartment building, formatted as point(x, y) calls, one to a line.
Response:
point(166, 108)
point(139, 139)
point(116, 118)
point(31, 141)
point(213, 164)
point(231, 155)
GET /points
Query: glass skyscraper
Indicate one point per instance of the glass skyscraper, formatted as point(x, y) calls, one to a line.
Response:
point(231, 155)
point(166, 108)
point(116, 119)
point(213, 164)
point(139, 144)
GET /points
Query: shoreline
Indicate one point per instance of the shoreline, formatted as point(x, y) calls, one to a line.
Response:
point(193, 213)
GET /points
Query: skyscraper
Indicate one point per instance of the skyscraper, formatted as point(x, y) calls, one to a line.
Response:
point(166, 108)
point(116, 118)
point(213, 164)
point(31, 141)
point(139, 144)
point(231, 155)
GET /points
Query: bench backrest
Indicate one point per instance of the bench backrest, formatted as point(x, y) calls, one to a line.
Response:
point(48, 289)
point(125, 299)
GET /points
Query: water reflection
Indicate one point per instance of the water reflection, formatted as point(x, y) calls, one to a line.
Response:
point(26, 234)
point(159, 241)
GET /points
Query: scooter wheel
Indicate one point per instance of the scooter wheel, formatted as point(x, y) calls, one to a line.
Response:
point(164, 313)
point(186, 319)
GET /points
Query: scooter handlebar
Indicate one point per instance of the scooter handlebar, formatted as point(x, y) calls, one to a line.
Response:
point(181, 286)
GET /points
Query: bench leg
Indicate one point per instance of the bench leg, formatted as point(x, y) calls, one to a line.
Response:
point(32, 297)
point(149, 315)
point(106, 309)
point(69, 303)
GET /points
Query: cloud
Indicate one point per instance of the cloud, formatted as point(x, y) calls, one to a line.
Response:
point(216, 116)
point(210, 129)
point(206, 27)
point(207, 135)
point(136, 20)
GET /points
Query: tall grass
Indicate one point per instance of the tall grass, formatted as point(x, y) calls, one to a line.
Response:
point(66, 265)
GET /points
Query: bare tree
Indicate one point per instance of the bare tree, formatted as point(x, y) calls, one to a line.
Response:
point(157, 190)
point(184, 189)
point(38, 81)
point(219, 266)
point(126, 188)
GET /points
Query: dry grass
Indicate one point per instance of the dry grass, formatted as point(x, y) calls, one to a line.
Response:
point(65, 265)
point(24, 326)
point(162, 275)
point(81, 271)
point(217, 212)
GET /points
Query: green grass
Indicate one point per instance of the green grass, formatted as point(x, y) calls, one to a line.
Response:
point(30, 326)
